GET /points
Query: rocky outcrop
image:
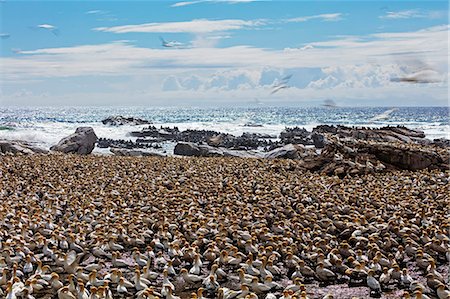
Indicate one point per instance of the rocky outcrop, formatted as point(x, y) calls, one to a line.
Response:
point(128, 144)
point(384, 134)
point(352, 157)
point(202, 150)
point(121, 120)
point(290, 151)
point(408, 158)
point(81, 142)
point(244, 142)
point(441, 142)
point(134, 153)
point(296, 135)
point(20, 147)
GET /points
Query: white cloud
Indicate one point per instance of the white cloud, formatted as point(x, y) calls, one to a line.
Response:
point(122, 57)
point(186, 3)
point(357, 65)
point(412, 13)
point(194, 26)
point(331, 17)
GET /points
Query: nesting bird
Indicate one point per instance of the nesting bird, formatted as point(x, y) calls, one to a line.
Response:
point(105, 227)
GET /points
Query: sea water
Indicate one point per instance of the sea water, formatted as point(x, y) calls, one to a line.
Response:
point(45, 126)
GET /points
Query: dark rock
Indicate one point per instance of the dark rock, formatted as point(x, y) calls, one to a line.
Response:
point(134, 153)
point(81, 142)
point(296, 135)
point(441, 142)
point(121, 120)
point(406, 158)
point(187, 149)
point(289, 151)
point(319, 140)
point(405, 131)
point(202, 150)
point(325, 129)
point(128, 144)
point(20, 147)
point(384, 134)
point(212, 138)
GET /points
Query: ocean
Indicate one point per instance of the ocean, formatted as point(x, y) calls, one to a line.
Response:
point(45, 126)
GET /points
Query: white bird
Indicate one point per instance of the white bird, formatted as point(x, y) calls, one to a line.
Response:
point(382, 116)
point(278, 88)
point(282, 84)
point(442, 292)
point(373, 283)
point(51, 28)
point(171, 44)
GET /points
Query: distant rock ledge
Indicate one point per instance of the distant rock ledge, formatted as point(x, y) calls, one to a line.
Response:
point(121, 120)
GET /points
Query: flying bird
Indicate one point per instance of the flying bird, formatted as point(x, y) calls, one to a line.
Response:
point(282, 84)
point(278, 88)
point(417, 71)
point(329, 103)
point(423, 76)
point(170, 44)
point(4, 35)
point(51, 28)
point(382, 116)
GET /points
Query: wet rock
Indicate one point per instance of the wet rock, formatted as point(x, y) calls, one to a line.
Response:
point(202, 150)
point(441, 142)
point(81, 142)
point(187, 149)
point(20, 147)
point(121, 120)
point(319, 140)
point(134, 153)
point(406, 158)
point(289, 151)
point(296, 135)
point(245, 142)
point(384, 134)
point(128, 144)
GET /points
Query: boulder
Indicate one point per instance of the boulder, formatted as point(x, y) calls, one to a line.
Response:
point(289, 151)
point(187, 149)
point(81, 142)
point(319, 140)
point(121, 120)
point(134, 153)
point(407, 158)
point(20, 147)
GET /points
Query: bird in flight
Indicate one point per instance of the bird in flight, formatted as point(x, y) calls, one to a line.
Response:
point(329, 103)
point(51, 28)
point(422, 76)
point(418, 71)
point(383, 116)
point(282, 84)
point(171, 44)
point(4, 35)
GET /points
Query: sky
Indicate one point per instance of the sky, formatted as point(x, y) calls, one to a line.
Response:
point(223, 53)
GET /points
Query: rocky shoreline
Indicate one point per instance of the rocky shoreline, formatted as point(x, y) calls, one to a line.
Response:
point(331, 150)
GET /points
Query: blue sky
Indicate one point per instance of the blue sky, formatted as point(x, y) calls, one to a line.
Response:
point(110, 53)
